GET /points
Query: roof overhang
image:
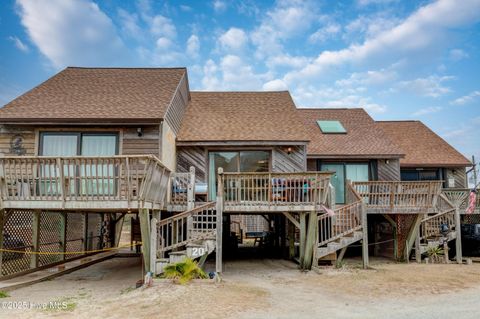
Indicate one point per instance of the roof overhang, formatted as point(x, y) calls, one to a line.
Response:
point(434, 165)
point(355, 156)
point(82, 121)
point(239, 143)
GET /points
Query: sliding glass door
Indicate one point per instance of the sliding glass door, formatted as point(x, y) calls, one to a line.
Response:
point(238, 161)
point(96, 177)
point(355, 172)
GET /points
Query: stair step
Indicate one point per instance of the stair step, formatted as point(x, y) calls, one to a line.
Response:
point(177, 256)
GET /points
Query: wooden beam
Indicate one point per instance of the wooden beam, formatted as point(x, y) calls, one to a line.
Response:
point(219, 237)
point(303, 236)
point(118, 229)
point(458, 240)
point(412, 235)
point(63, 234)
point(365, 236)
point(291, 240)
point(310, 242)
point(153, 246)
point(144, 215)
point(35, 239)
point(2, 219)
point(292, 219)
point(341, 255)
point(418, 255)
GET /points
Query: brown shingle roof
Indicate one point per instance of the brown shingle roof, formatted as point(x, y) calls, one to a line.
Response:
point(97, 94)
point(362, 140)
point(422, 147)
point(241, 116)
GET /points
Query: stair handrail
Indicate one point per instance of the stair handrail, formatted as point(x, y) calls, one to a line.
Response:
point(330, 226)
point(428, 230)
point(187, 213)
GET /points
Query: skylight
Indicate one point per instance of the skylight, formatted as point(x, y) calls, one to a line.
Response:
point(331, 127)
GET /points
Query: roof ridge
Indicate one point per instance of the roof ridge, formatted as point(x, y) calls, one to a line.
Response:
point(126, 68)
point(330, 108)
point(282, 91)
point(399, 121)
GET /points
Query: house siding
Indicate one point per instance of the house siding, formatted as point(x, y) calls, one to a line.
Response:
point(459, 175)
point(193, 156)
point(390, 171)
point(148, 143)
point(176, 110)
point(8, 132)
point(282, 162)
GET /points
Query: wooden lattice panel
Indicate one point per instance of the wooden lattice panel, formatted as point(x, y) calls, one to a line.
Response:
point(17, 232)
point(404, 224)
point(50, 238)
point(75, 234)
point(94, 231)
point(471, 219)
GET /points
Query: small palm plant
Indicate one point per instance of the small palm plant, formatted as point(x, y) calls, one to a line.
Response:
point(435, 253)
point(184, 271)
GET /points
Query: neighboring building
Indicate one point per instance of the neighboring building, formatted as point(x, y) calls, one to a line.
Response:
point(427, 155)
point(350, 144)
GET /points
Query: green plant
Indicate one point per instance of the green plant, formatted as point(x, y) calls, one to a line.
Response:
point(435, 253)
point(4, 294)
point(184, 271)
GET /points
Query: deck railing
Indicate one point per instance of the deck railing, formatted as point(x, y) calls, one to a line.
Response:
point(393, 196)
point(275, 189)
point(196, 224)
point(431, 227)
point(143, 179)
point(460, 196)
point(179, 188)
point(345, 220)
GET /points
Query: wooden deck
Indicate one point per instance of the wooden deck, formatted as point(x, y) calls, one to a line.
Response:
point(83, 183)
point(392, 197)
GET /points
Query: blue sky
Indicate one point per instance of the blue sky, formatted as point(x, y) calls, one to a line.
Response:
point(398, 59)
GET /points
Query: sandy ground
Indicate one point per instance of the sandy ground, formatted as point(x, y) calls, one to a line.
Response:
point(262, 289)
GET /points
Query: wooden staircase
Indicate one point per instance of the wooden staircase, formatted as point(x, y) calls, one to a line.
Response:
point(430, 232)
point(339, 230)
point(189, 234)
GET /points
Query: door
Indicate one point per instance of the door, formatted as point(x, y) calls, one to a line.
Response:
point(337, 180)
point(229, 161)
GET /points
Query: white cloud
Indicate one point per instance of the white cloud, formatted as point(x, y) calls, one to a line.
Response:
point(233, 40)
point(185, 8)
point(427, 110)
point(193, 46)
point(325, 33)
point(369, 2)
point(370, 78)
point(419, 31)
point(275, 85)
point(219, 6)
point(466, 98)
point(286, 60)
point(458, 54)
point(72, 32)
point(287, 19)
point(232, 73)
point(19, 44)
point(310, 96)
point(162, 26)
point(431, 86)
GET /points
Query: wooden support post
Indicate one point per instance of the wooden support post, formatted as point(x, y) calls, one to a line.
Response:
point(153, 246)
point(292, 219)
point(35, 239)
point(2, 220)
point(418, 255)
point(190, 199)
point(458, 240)
point(219, 237)
point(341, 255)
point(118, 229)
point(414, 231)
point(303, 236)
point(310, 242)
point(291, 240)
point(365, 236)
point(63, 234)
point(144, 215)
point(85, 231)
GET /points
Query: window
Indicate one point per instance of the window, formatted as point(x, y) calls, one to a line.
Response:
point(420, 174)
point(84, 144)
point(237, 161)
point(331, 127)
point(355, 172)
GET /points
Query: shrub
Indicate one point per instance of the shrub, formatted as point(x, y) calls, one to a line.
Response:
point(184, 271)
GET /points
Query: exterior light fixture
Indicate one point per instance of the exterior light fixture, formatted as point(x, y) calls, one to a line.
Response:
point(139, 132)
